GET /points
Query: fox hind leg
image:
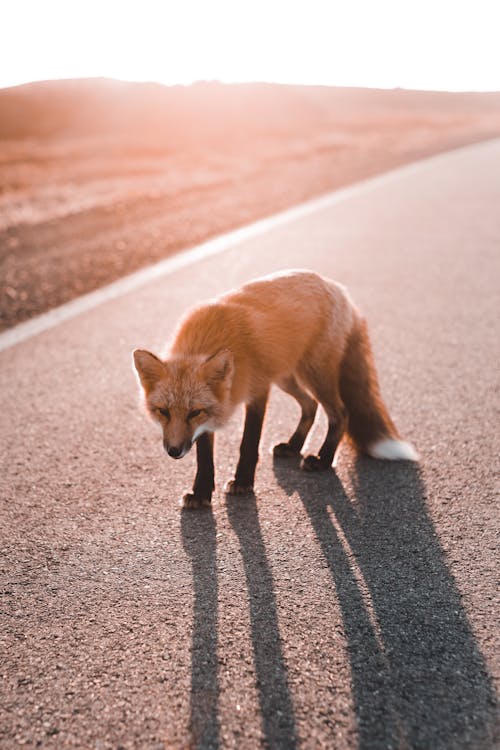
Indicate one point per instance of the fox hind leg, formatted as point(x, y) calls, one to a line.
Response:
point(308, 406)
point(328, 395)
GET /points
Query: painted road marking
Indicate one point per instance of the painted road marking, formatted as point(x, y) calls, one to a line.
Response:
point(215, 246)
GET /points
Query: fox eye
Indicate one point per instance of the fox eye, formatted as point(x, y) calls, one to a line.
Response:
point(165, 413)
point(194, 413)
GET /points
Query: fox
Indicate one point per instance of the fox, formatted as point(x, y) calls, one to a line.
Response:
point(294, 329)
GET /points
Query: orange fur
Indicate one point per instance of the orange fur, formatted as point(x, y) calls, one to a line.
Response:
point(295, 329)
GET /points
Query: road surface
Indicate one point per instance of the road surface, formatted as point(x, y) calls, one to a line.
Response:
point(349, 610)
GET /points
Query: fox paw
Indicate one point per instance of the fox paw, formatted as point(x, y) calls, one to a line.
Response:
point(285, 450)
point(313, 463)
point(233, 488)
point(193, 501)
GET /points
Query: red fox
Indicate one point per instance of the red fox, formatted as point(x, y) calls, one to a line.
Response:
point(295, 329)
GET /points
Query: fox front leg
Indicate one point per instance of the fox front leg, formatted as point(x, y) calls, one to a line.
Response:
point(203, 486)
point(249, 449)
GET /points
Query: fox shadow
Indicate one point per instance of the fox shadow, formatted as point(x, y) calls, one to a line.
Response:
point(199, 540)
point(276, 707)
point(418, 677)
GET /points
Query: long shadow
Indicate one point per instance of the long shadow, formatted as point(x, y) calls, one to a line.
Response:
point(418, 677)
point(274, 696)
point(199, 540)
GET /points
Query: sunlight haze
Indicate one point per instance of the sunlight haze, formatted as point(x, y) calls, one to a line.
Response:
point(440, 45)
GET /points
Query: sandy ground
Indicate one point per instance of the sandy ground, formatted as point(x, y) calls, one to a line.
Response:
point(80, 209)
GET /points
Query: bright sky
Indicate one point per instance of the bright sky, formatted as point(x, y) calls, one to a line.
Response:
point(426, 44)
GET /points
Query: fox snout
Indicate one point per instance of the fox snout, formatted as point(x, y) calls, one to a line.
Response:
point(177, 451)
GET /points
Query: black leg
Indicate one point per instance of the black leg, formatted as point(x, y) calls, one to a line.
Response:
point(308, 412)
point(334, 435)
point(294, 445)
point(204, 480)
point(308, 408)
point(249, 448)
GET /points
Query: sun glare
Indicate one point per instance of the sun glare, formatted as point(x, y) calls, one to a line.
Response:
point(445, 45)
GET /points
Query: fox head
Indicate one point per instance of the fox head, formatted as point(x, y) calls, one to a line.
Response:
point(187, 395)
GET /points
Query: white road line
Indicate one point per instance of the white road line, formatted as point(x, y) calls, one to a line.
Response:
point(219, 244)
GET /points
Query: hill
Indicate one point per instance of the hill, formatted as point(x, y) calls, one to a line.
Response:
point(212, 111)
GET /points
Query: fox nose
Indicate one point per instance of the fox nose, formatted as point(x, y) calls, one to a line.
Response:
point(174, 452)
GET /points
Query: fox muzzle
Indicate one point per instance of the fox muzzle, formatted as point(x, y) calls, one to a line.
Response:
point(176, 451)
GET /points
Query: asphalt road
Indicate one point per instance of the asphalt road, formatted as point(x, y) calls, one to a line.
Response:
point(350, 610)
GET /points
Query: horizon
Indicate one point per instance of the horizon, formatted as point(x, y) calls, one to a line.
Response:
point(210, 81)
point(445, 48)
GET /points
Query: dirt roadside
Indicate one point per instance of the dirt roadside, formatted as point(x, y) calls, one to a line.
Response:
point(80, 210)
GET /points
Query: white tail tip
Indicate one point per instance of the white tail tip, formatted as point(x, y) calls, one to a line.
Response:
point(393, 450)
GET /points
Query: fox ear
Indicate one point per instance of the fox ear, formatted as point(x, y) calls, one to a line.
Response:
point(219, 367)
point(149, 368)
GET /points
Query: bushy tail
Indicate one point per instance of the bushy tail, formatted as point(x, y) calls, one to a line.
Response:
point(370, 427)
